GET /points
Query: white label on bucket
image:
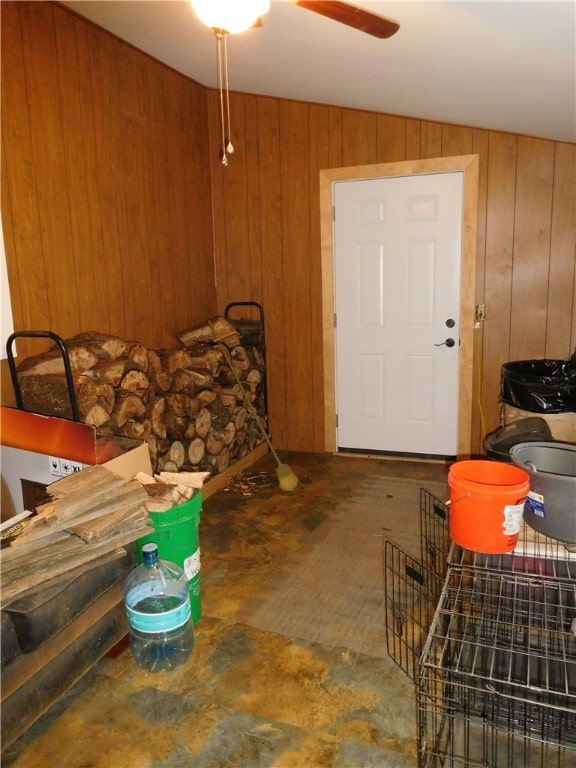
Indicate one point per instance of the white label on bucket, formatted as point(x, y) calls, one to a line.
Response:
point(192, 565)
point(535, 504)
point(512, 518)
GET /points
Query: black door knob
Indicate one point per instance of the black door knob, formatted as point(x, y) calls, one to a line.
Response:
point(448, 343)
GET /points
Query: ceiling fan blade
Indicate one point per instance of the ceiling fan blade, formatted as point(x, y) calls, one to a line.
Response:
point(354, 17)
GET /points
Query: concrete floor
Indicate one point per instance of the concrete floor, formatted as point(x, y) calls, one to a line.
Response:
point(246, 698)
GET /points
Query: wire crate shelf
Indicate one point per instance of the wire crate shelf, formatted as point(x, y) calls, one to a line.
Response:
point(497, 678)
point(534, 554)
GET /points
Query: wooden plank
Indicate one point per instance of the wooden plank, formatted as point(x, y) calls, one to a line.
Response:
point(479, 424)
point(271, 208)
point(431, 140)
point(104, 158)
point(252, 150)
point(413, 139)
point(294, 168)
point(89, 231)
point(48, 157)
point(561, 309)
point(319, 159)
point(74, 560)
point(195, 297)
point(24, 249)
point(456, 140)
point(237, 210)
point(89, 312)
point(391, 139)
point(359, 136)
point(532, 229)
point(501, 177)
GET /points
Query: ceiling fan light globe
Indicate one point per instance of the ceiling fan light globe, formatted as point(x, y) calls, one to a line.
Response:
point(230, 15)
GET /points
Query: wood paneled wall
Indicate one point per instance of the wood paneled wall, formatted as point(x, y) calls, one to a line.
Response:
point(118, 216)
point(268, 241)
point(106, 203)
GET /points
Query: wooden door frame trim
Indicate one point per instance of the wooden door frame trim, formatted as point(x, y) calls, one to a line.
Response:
point(469, 166)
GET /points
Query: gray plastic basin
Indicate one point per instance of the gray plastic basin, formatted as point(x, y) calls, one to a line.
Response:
point(551, 504)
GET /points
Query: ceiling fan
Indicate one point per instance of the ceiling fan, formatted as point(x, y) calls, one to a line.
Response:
point(237, 15)
point(351, 16)
point(226, 17)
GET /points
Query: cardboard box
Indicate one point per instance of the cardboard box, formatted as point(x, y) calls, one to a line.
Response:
point(39, 449)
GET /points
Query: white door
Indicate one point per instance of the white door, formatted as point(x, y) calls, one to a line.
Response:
point(397, 254)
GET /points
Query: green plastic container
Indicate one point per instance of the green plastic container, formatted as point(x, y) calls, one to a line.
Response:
point(176, 532)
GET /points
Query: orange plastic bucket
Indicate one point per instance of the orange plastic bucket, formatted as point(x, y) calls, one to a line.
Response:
point(486, 505)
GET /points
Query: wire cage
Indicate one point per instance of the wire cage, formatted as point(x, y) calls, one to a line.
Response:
point(534, 554)
point(434, 533)
point(496, 683)
point(490, 642)
point(412, 587)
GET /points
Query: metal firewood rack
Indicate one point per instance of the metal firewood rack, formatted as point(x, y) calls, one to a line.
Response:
point(262, 331)
point(74, 410)
point(495, 668)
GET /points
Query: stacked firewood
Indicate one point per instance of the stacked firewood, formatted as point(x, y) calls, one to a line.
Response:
point(91, 518)
point(187, 403)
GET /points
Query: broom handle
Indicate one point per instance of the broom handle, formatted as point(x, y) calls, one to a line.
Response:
point(248, 401)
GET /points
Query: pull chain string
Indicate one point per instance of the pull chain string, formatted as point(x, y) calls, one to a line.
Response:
point(219, 37)
point(229, 147)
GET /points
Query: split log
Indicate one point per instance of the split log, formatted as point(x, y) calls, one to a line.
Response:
point(254, 377)
point(183, 382)
point(97, 416)
point(214, 442)
point(135, 381)
point(111, 371)
point(91, 392)
point(177, 454)
point(239, 416)
point(240, 358)
point(176, 426)
point(221, 461)
point(230, 396)
point(82, 358)
point(175, 359)
point(127, 407)
point(206, 357)
point(46, 364)
point(225, 377)
point(215, 328)
point(113, 346)
point(229, 433)
point(193, 406)
point(206, 396)
point(169, 466)
point(196, 451)
point(152, 449)
point(157, 417)
point(203, 422)
point(202, 377)
point(159, 377)
point(137, 430)
point(138, 354)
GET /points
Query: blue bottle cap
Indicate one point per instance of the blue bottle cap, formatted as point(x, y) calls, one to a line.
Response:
point(150, 554)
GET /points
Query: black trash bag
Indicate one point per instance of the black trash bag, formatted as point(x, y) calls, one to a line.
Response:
point(539, 386)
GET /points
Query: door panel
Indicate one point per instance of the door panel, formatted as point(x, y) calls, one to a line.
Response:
point(397, 251)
